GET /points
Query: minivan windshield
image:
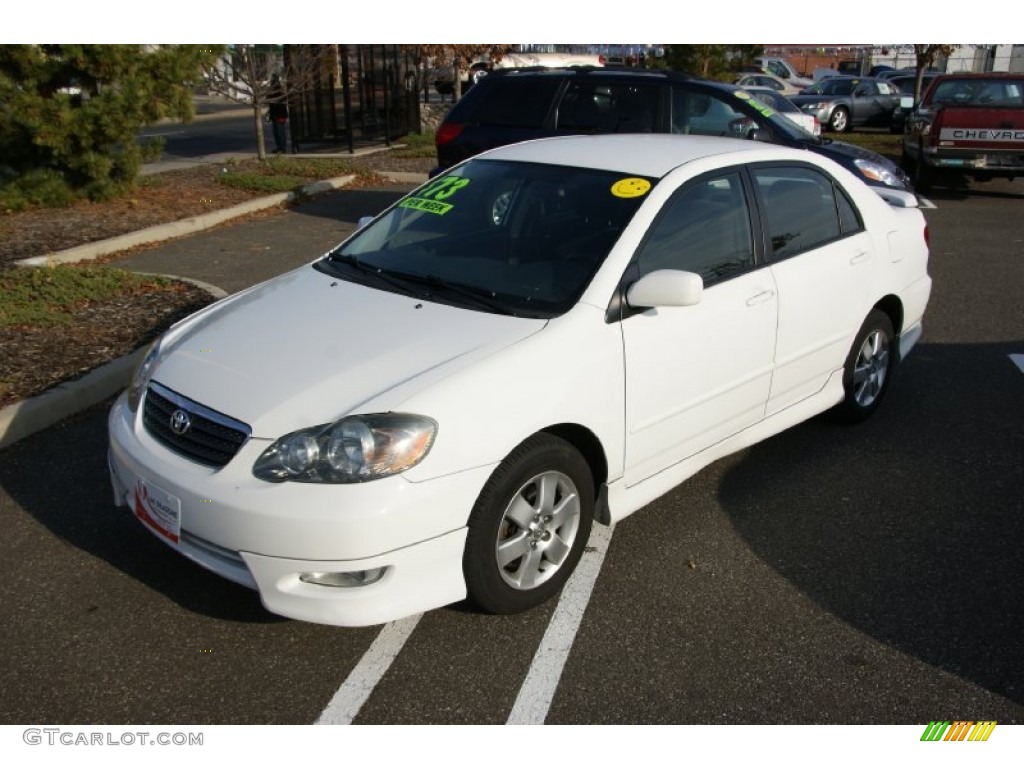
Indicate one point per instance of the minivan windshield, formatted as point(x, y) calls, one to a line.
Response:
point(515, 238)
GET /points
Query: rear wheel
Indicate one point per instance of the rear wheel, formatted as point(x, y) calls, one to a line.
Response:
point(529, 526)
point(869, 368)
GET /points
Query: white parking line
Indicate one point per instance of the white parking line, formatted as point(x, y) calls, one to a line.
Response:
point(361, 681)
point(538, 690)
point(924, 202)
point(1018, 360)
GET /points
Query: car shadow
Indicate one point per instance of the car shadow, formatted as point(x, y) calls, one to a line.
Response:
point(962, 188)
point(909, 527)
point(350, 205)
point(60, 478)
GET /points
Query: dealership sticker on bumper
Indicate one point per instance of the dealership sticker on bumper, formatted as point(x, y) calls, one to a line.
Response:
point(159, 510)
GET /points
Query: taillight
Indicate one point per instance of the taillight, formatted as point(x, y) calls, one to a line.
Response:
point(447, 133)
point(927, 237)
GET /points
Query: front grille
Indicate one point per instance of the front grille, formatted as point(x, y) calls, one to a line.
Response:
point(211, 438)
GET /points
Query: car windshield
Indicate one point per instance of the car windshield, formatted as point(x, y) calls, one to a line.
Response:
point(515, 238)
point(832, 86)
point(980, 93)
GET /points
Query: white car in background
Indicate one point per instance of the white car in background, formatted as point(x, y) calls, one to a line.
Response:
point(786, 108)
point(549, 334)
point(767, 81)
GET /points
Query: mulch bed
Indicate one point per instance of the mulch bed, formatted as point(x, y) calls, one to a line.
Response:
point(33, 360)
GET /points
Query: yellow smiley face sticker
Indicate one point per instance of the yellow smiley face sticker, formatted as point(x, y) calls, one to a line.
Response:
point(631, 187)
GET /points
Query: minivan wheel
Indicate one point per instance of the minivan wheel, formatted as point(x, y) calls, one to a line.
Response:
point(869, 368)
point(529, 526)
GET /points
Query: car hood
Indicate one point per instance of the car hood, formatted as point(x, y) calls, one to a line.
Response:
point(845, 154)
point(307, 348)
point(843, 151)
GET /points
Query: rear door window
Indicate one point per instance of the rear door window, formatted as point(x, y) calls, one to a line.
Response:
point(804, 209)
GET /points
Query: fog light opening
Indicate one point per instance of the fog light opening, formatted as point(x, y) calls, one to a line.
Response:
point(344, 578)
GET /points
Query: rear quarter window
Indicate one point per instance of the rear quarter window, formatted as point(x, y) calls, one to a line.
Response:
point(516, 103)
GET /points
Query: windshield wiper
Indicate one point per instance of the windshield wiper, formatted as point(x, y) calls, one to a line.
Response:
point(481, 296)
point(385, 276)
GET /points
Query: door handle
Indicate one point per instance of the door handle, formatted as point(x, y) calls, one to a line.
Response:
point(760, 298)
point(860, 257)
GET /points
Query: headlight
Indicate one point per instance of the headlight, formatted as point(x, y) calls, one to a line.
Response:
point(815, 106)
point(878, 172)
point(353, 450)
point(142, 376)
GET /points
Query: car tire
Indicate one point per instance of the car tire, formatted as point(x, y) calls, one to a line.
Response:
point(869, 368)
point(923, 177)
point(839, 120)
point(529, 526)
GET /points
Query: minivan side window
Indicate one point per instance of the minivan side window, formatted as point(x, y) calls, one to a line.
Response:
point(589, 107)
point(804, 209)
point(517, 103)
point(704, 228)
point(698, 113)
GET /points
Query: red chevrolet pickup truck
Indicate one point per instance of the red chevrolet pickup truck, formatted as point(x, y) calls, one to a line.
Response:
point(966, 125)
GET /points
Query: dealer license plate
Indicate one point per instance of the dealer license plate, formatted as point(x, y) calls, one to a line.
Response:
point(158, 509)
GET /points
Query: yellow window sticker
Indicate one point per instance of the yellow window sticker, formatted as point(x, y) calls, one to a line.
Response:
point(631, 187)
point(430, 196)
point(741, 95)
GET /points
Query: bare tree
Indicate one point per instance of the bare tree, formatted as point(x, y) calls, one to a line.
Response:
point(925, 55)
point(459, 57)
point(257, 74)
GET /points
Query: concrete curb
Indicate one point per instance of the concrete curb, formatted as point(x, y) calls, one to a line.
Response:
point(180, 228)
point(35, 414)
point(26, 417)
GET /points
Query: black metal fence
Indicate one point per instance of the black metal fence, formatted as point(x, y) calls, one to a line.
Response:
point(353, 96)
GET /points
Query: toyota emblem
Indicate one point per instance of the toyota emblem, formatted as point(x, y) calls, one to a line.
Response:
point(181, 422)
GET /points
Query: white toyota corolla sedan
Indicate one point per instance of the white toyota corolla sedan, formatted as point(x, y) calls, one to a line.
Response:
point(550, 334)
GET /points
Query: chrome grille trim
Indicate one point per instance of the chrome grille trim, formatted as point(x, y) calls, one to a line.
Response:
point(213, 439)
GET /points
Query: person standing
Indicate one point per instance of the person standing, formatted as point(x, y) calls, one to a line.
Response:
point(278, 117)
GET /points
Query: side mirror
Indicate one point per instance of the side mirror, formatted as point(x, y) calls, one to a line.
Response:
point(665, 288)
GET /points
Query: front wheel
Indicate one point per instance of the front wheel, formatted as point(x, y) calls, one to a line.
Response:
point(840, 120)
point(529, 526)
point(868, 368)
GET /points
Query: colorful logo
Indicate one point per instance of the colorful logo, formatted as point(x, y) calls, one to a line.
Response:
point(958, 730)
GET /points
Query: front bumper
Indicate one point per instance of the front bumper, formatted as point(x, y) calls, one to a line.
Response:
point(265, 535)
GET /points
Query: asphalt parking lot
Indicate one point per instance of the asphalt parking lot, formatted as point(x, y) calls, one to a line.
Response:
point(829, 575)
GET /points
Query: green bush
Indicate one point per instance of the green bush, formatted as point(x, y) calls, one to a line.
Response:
point(43, 188)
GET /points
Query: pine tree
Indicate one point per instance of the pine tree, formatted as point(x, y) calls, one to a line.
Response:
point(70, 114)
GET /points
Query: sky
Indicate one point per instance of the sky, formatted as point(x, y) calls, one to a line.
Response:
point(430, 21)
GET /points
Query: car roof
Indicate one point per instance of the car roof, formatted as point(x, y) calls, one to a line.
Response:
point(981, 76)
point(648, 154)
